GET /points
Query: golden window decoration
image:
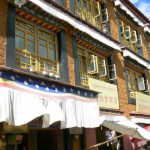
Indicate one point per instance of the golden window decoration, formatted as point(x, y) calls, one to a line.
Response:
point(92, 11)
point(130, 37)
point(91, 66)
point(35, 48)
point(135, 81)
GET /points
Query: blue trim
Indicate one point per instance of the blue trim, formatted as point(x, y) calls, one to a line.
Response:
point(130, 100)
point(110, 61)
point(62, 53)
point(72, 6)
point(44, 86)
point(76, 61)
point(140, 50)
point(146, 86)
point(61, 2)
point(10, 52)
point(117, 19)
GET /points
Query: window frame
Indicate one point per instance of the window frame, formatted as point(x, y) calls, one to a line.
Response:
point(133, 35)
point(82, 51)
point(127, 29)
point(134, 75)
point(36, 66)
point(90, 15)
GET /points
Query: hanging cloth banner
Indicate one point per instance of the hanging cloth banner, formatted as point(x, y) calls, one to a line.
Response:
point(23, 99)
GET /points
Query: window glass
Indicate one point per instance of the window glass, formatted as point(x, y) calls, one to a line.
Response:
point(52, 54)
point(39, 48)
point(43, 51)
point(91, 66)
point(19, 43)
point(92, 11)
point(19, 33)
point(133, 78)
point(30, 46)
point(30, 37)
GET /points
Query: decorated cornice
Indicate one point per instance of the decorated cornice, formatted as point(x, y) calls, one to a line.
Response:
point(98, 46)
point(136, 18)
point(137, 58)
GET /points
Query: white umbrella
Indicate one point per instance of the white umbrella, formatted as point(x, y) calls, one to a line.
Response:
point(127, 127)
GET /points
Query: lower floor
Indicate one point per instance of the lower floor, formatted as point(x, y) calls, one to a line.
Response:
point(57, 139)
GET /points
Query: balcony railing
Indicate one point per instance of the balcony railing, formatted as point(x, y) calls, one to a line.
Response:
point(85, 76)
point(28, 61)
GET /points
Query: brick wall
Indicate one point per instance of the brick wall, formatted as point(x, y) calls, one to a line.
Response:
point(123, 99)
point(149, 80)
point(113, 22)
point(3, 30)
point(70, 56)
point(144, 46)
point(67, 4)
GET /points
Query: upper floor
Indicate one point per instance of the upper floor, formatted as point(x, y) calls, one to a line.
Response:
point(117, 19)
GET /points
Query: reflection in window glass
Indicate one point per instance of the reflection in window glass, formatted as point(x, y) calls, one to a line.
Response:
point(19, 33)
point(30, 37)
point(52, 55)
point(42, 42)
point(19, 43)
point(42, 51)
point(30, 46)
point(34, 49)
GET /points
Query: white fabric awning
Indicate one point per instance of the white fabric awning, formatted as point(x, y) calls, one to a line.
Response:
point(75, 23)
point(127, 53)
point(140, 120)
point(126, 127)
point(18, 108)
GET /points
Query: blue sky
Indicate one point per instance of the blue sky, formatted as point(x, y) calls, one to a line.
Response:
point(143, 6)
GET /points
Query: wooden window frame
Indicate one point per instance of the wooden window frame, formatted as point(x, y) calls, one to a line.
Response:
point(133, 75)
point(90, 15)
point(133, 36)
point(127, 29)
point(36, 61)
point(84, 75)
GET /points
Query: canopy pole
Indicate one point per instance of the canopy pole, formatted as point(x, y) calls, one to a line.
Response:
point(102, 143)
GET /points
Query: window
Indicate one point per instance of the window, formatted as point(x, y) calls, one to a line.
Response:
point(134, 37)
point(149, 50)
point(36, 48)
point(139, 40)
point(104, 12)
point(130, 37)
point(94, 66)
point(121, 27)
point(127, 32)
point(92, 11)
point(102, 68)
point(135, 81)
